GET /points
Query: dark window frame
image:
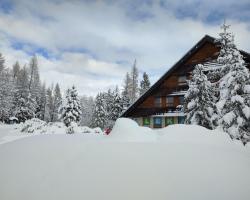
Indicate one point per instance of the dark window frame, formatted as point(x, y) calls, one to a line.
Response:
point(156, 125)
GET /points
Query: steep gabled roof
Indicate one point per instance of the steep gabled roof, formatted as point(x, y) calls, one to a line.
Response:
point(191, 52)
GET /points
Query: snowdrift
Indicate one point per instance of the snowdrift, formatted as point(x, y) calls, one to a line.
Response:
point(177, 162)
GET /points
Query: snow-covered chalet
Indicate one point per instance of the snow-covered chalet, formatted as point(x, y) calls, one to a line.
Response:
point(162, 104)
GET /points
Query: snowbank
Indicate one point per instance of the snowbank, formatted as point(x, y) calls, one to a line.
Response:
point(178, 162)
point(127, 130)
point(37, 126)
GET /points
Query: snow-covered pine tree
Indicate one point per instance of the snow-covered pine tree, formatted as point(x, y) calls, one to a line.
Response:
point(42, 103)
point(99, 116)
point(133, 85)
point(34, 81)
point(233, 104)
point(145, 83)
point(199, 102)
point(6, 92)
point(15, 70)
point(24, 104)
point(125, 92)
point(57, 102)
point(116, 105)
point(49, 105)
point(2, 60)
point(71, 110)
point(88, 105)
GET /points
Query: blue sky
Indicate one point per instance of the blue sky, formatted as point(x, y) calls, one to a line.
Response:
point(92, 44)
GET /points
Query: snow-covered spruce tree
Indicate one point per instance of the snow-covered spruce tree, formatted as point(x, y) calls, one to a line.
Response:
point(145, 83)
point(57, 102)
point(88, 105)
point(24, 104)
point(199, 102)
point(125, 92)
point(133, 84)
point(233, 105)
point(2, 60)
point(49, 105)
point(42, 103)
point(6, 92)
point(99, 116)
point(116, 109)
point(71, 114)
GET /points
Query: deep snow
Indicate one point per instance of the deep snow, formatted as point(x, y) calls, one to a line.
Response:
point(177, 162)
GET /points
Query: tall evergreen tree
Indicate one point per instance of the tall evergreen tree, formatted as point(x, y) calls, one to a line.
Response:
point(88, 105)
point(2, 60)
point(34, 81)
point(6, 92)
point(57, 102)
point(99, 116)
point(117, 107)
point(16, 70)
point(145, 83)
point(49, 106)
point(233, 104)
point(125, 92)
point(24, 107)
point(133, 85)
point(42, 103)
point(71, 110)
point(199, 102)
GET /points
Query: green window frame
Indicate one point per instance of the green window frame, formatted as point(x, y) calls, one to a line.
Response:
point(169, 120)
point(146, 121)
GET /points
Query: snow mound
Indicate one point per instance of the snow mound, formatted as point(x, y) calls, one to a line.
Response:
point(177, 162)
point(127, 130)
point(37, 126)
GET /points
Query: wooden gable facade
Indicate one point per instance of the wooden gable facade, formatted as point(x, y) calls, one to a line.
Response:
point(164, 97)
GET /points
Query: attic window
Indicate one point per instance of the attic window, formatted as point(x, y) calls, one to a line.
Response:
point(182, 80)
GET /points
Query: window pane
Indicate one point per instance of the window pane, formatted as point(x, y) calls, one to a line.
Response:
point(169, 120)
point(157, 122)
point(146, 121)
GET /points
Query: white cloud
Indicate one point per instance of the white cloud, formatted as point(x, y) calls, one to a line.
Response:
point(108, 35)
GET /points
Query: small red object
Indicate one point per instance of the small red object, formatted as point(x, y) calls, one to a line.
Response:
point(107, 131)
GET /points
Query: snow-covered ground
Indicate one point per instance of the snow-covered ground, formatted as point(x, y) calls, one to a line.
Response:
point(177, 162)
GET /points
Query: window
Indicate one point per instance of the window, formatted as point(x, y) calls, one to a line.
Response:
point(146, 121)
point(158, 101)
point(182, 80)
point(169, 120)
point(169, 101)
point(157, 122)
point(181, 120)
point(181, 100)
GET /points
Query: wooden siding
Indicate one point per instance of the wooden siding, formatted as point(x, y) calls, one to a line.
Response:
point(208, 51)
